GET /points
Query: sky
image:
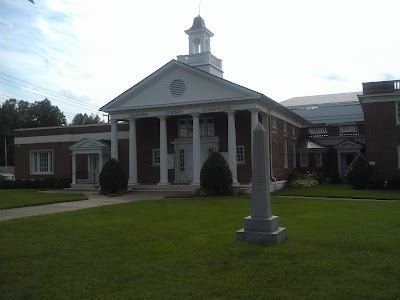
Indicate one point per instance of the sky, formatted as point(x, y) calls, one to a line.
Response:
point(82, 54)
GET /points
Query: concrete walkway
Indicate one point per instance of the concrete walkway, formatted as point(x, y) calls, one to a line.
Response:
point(95, 199)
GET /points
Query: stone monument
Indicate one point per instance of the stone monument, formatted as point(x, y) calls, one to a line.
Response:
point(261, 226)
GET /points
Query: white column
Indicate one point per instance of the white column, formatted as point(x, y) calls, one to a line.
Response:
point(196, 150)
point(132, 153)
point(163, 152)
point(232, 146)
point(100, 161)
point(73, 168)
point(114, 139)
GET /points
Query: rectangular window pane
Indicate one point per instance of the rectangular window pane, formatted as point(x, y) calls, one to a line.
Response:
point(318, 159)
point(190, 127)
point(156, 156)
point(182, 128)
point(240, 154)
point(42, 162)
point(210, 127)
point(203, 126)
point(182, 160)
point(304, 159)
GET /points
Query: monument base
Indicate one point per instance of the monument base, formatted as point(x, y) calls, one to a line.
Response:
point(262, 231)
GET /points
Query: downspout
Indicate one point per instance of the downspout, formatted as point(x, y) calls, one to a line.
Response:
point(271, 172)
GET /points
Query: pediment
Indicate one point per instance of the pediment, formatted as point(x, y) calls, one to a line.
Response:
point(178, 84)
point(88, 144)
point(348, 144)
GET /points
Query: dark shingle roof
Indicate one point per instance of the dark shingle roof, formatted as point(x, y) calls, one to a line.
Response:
point(321, 99)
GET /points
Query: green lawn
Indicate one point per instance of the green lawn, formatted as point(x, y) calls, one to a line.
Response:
point(21, 198)
point(340, 191)
point(186, 249)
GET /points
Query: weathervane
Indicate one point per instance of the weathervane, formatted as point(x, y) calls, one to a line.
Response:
point(199, 7)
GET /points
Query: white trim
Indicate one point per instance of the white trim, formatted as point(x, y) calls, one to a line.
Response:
point(398, 156)
point(31, 162)
point(59, 138)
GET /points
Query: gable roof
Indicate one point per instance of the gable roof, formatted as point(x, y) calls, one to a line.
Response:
point(308, 144)
point(329, 99)
point(169, 67)
point(87, 143)
point(348, 144)
point(173, 65)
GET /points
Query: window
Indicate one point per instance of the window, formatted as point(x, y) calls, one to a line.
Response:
point(42, 162)
point(212, 150)
point(285, 154)
point(294, 154)
point(185, 127)
point(303, 159)
point(318, 159)
point(398, 112)
point(240, 154)
point(182, 160)
point(156, 156)
point(293, 130)
point(284, 126)
point(274, 122)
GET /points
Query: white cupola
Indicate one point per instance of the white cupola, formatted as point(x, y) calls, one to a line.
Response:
point(200, 50)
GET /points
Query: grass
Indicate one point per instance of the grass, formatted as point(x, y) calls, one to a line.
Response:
point(340, 191)
point(186, 249)
point(21, 198)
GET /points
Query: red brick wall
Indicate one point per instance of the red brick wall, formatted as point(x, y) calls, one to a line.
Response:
point(382, 136)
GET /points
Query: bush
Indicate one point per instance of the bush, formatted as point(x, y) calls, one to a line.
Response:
point(394, 182)
point(215, 176)
point(302, 183)
point(359, 172)
point(376, 182)
point(112, 178)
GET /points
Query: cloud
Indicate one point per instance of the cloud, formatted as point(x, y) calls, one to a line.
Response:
point(334, 77)
point(390, 76)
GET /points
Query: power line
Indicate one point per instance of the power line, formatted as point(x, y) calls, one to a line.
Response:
point(48, 95)
point(47, 89)
point(30, 91)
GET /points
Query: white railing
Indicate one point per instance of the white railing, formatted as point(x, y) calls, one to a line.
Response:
point(317, 132)
point(348, 130)
point(397, 85)
point(200, 58)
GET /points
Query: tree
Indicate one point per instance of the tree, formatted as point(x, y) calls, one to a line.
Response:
point(112, 178)
point(215, 175)
point(16, 114)
point(83, 119)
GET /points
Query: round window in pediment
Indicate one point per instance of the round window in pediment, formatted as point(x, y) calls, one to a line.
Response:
point(177, 87)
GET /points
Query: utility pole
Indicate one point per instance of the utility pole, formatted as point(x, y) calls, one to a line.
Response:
point(5, 148)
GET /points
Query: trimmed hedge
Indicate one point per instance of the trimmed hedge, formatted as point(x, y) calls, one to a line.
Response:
point(112, 179)
point(215, 176)
point(46, 183)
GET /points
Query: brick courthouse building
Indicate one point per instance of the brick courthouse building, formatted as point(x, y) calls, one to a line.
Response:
point(162, 129)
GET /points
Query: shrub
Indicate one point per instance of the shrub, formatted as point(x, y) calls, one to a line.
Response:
point(302, 183)
point(394, 182)
point(215, 175)
point(112, 178)
point(294, 175)
point(359, 172)
point(376, 182)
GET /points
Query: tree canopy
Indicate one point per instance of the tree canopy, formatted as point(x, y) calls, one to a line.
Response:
point(15, 114)
point(84, 119)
